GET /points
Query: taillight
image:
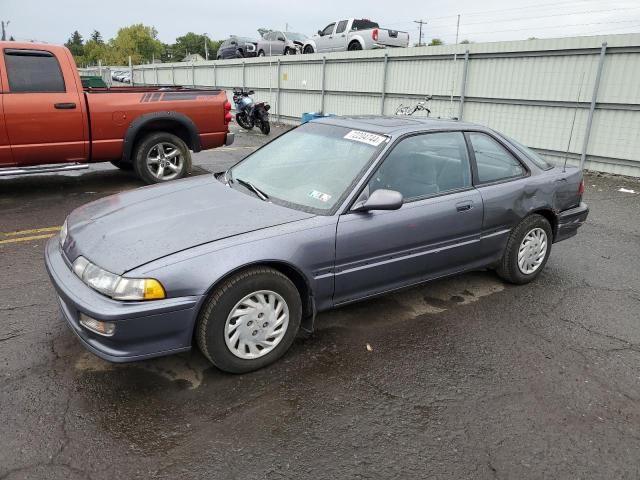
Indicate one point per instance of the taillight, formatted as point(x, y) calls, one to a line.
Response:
point(374, 34)
point(227, 112)
point(581, 187)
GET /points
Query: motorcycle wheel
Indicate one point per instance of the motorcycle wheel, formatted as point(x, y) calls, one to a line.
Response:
point(243, 121)
point(265, 127)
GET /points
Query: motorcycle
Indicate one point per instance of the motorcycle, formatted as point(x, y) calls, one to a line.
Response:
point(250, 114)
point(420, 106)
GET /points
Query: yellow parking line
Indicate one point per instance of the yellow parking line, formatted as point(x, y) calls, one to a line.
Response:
point(32, 231)
point(26, 239)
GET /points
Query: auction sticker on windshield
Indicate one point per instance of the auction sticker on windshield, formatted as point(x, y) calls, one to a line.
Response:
point(323, 197)
point(365, 137)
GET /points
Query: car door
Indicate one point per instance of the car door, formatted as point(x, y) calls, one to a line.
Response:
point(6, 159)
point(43, 109)
point(339, 40)
point(504, 184)
point(278, 43)
point(434, 233)
point(324, 41)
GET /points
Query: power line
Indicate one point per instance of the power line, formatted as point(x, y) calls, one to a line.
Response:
point(420, 22)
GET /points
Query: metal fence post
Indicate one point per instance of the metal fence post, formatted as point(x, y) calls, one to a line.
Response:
point(173, 75)
point(278, 93)
point(384, 83)
point(215, 75)
point(155, 71)
point(463, 87)
point(592, 108)
point(193, 74)
point(324, 64)
point(244, 83)
point(131, 71)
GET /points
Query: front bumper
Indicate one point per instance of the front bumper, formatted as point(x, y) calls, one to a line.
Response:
point(143, 329)
point(570, 220)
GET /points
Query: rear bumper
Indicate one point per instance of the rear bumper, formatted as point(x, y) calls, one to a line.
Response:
point(143, 329)
point(230, 138)
point(570, 220)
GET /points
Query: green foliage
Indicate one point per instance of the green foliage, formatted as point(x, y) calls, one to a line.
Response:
point(465, 42)
point(191, 43)
point(138, 41)
point(96, 36)
point(435, 42)
point(75, 45)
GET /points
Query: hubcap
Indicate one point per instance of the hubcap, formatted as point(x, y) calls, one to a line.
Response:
point(164, 161)
point(256, 325)
point(532, 251)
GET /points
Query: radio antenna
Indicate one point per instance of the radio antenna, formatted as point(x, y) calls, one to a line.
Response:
point(573, 122)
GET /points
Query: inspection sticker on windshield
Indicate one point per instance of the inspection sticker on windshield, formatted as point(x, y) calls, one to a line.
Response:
point(365, 137)
point(323, 197)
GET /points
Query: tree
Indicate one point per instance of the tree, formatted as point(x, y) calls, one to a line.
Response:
point(138, 41)
point(465, 42)
point(96, 36)
point(191, 43)
point(263, 31)
point(435, 42)
point(75, 45)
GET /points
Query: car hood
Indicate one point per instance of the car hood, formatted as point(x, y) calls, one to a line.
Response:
point(124, 231)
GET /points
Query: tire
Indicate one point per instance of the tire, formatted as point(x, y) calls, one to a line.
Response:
point(308, 49)
point(242, 120)
point(265, 127)
point(261, 53)
point(353, 46)
point(532, 229)
point(128, 166)
point(239, 54)
point(229, 354)
point(150, 148)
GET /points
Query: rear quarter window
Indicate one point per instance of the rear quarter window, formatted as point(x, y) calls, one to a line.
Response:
point(35, 71)
point(363, 25)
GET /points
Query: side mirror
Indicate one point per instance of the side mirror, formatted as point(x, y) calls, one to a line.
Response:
point(380, 200)
point(320, 32)
point(281, 39)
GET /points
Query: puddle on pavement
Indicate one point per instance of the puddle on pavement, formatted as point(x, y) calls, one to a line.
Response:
point(186, 370)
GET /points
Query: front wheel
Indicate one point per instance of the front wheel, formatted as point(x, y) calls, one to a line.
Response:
point(527, 250)
point(244, 121)
point(265, 127)
point(261, 53)
point(250, 320)
point(308, 49)
point(160, 157)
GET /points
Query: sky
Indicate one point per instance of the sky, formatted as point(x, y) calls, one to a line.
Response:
point(53, 21)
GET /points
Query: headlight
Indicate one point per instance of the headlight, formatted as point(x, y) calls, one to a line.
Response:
point(63, 233)
point(115, 286)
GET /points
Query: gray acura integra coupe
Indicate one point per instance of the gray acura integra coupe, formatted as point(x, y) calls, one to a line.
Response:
point(332, 212)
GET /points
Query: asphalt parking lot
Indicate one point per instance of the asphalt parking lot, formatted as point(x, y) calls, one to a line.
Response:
point(465, 378)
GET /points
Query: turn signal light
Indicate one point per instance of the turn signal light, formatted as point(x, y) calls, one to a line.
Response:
point(153, 289)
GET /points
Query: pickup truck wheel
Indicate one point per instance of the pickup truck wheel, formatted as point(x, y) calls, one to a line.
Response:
point(308, 49)
point(354, 46)
point(161, 157)
point(122, 165)
point(261, 53)
point(250, 320)
point(239, 54)
point(527, 250)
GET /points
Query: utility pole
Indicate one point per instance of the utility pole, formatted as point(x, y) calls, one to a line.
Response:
point(457, 29)
point(420, 22)
point(4, 25)
point(286, 27)
point(206, 46)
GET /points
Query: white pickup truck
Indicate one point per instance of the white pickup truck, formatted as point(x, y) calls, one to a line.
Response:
point(354, 34)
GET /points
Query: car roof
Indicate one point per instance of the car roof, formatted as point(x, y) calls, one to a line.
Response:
point(397, 125)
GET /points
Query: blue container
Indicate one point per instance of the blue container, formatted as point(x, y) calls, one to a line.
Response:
point(307, 117)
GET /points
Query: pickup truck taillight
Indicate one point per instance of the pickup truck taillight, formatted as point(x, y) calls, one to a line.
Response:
point(227, 112)
point(581, 187)
point(374, 34)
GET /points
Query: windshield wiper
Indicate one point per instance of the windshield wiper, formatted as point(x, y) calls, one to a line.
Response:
point(252, 187)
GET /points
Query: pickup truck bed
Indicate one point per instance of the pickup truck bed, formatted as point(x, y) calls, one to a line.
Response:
point(46, 118)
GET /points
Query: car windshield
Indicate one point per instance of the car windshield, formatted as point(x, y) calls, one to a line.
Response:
point(296, 37)
point(310, 168)
point(533, 156)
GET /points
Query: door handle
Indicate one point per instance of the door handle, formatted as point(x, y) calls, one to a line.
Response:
point(64, 106)
point(464, 206)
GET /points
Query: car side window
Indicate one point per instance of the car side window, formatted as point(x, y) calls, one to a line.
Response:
point(35, 71)
point(424, 165)
point(342, 26)
point(328, 30)
point(493, 161)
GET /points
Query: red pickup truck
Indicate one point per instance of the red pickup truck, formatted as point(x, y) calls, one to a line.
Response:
point(48, 123)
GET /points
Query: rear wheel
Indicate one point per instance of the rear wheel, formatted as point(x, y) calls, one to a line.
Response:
point(355, 46)
point(308, 49)
point(239, 54)
point(250, 320)
point(527, 250)
point(161, 157)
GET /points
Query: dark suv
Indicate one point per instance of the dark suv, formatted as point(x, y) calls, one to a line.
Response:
point(237, 47)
